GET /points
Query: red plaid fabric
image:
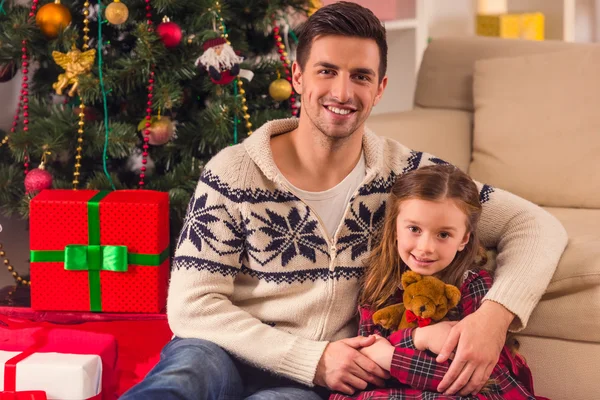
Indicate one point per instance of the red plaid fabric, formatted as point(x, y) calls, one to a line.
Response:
point(416, 374)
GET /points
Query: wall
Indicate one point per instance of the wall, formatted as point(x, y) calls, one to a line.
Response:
point(456, 17)
point(452, 18)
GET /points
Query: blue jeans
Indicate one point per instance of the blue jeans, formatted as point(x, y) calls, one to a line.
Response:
point(194, 369)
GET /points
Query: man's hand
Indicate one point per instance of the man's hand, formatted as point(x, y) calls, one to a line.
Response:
point(381, 352)
point(344, 369)
point(480, 338)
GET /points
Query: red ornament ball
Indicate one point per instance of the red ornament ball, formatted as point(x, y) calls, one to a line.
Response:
point(37, 180)
point(169, 32)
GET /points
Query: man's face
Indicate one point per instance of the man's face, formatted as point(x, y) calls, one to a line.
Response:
point(218, 49)
point(339, 84)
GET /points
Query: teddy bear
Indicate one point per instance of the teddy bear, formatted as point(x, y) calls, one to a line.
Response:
point(426, 300)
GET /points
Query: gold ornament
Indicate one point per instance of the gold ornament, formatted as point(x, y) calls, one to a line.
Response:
point(116, 12)
point(241, 92)
point(74, 63)
point(314, 5)
point(76, 172)
point(280, 89)
point(15, 274)
point(86, 23)
point(52, 18)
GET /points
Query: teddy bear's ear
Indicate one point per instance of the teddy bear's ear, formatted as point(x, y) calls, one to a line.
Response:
point(410, 277)
point(453, 295)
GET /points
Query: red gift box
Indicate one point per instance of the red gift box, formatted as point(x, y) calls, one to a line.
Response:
point(56, 340)
point(140, 337)
point(99, 251)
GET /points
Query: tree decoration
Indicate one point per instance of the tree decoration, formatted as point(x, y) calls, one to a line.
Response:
point(116, 12)
point(283, 55)
point(18, 279)
point(24, 96)
point(79, 147)
point(8, 70)
point(313, 6)
point(52, 18)
point(239, 84)
point(38, 179)
point(169, 32)
point(74, 63)
point(161, 129)
point(220, 60)
point(86, 23)
point(146, 131)
point(135, 163)
point(81, 114)
point(280, 89)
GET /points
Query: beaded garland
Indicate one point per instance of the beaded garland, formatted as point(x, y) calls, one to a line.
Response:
point(81, 115)
point(24, 96)
point(146, 130)
point(284, 57)
point(19, 279)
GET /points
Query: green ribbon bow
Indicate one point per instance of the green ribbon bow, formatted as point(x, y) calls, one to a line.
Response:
point(94, 257)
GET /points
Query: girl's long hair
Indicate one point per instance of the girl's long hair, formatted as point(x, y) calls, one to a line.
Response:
point(433, 183)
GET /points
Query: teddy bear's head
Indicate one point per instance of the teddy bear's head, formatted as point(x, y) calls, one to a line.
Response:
point(427, 296)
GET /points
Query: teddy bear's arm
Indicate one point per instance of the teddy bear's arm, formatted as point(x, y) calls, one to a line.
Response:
point(389, 317)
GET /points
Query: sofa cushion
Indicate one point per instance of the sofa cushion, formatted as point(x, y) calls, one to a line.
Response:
point(570, 308)
point(445, 77)
point(444, 133)
point(562, 369)
point(537, 126)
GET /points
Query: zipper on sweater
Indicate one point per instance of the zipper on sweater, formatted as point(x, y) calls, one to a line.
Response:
point(333, 252)
point(332, 244)
point(332, 255)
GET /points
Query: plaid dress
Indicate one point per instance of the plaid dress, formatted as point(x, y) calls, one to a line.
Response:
point(416, 374)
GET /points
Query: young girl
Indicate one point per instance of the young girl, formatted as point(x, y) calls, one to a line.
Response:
point(430, 228)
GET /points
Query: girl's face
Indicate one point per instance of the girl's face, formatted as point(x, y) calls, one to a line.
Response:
point(430, 233)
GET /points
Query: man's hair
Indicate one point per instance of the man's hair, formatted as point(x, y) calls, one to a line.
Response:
point(344, 19)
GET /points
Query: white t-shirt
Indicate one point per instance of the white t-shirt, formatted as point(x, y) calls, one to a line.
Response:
point(331, 204)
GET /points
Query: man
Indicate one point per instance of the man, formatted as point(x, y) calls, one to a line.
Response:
point(265, 279)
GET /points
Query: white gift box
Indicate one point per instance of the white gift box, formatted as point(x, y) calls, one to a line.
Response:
point(61, 376)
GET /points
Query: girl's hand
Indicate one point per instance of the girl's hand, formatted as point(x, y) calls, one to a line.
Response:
point(433, 337)
point(381, 352)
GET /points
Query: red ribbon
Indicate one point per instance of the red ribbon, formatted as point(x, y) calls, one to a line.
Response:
point(412, 317)
point(10, 368)
point(10, 373)
point(25, 395)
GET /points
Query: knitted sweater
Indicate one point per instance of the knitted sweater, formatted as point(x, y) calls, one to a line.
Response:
point(256, 272)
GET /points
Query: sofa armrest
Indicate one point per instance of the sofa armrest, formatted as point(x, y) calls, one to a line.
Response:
point(443, 133)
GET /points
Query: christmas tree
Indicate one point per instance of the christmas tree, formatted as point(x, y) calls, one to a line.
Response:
point(138, 93)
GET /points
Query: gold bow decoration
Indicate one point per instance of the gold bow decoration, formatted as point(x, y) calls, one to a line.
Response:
point(75, 63)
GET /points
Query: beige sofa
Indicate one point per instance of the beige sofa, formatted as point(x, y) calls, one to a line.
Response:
point(525, 116)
